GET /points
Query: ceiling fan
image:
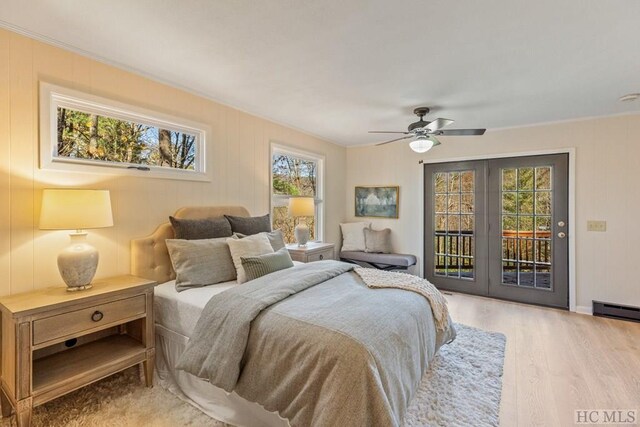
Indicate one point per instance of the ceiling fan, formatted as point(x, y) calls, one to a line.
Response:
point(423, 132)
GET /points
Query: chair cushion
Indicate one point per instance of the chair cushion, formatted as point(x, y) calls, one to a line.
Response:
point(404, 260)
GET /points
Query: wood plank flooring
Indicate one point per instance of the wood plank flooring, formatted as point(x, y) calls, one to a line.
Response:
point(557, 361)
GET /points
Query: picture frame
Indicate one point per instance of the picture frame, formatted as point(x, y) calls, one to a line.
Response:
point(377, 201)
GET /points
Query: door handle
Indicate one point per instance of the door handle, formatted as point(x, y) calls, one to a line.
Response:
point(562, 235)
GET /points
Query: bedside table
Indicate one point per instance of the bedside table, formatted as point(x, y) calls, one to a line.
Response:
point(313, 251)
point(55, 341)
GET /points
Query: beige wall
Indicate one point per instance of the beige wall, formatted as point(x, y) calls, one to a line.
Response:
point(238, 154)
point(607, 187)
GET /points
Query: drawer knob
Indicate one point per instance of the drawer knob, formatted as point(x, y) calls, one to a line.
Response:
point(321, 256)
point(97, 316)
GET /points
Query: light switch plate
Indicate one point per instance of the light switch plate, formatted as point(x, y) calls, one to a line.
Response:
point(596, 225)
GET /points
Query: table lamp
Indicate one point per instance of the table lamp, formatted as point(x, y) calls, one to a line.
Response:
point(75, 209)
point(301, 207)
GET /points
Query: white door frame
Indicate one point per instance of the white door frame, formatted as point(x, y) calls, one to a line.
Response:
point(572, 202)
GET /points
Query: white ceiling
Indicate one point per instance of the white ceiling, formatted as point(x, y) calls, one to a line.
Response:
point(339, 68)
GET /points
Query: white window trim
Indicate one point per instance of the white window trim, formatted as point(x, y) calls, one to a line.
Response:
point(53, 96)
point(277, 147)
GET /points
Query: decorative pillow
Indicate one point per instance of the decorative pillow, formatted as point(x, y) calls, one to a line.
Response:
point(249, 225)
point(276, 238)
point(353, 235)
point(377, 241)
point(200, 262)
point(197, 229)
point(249, 246)
point(258, 266)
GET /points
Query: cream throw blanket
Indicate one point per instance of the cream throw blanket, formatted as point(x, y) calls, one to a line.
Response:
point(374, 278)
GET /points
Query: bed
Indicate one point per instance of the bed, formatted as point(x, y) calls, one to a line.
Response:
point(302, 382)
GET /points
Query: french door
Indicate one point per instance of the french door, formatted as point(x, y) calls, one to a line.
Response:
point(499, 228)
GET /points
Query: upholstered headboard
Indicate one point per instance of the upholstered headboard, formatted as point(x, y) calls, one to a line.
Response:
point(149, 255)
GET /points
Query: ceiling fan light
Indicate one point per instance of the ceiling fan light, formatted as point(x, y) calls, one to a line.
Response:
point(421, 144)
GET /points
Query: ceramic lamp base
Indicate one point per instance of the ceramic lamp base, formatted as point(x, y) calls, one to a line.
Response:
point(78, 263)
point(302, 234)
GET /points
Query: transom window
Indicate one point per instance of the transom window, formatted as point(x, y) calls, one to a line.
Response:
point(295, 173)
point(84, 131)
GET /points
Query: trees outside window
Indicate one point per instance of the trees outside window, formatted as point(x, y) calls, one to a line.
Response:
point(87, 133)
point(295, 173)
point(87, 136)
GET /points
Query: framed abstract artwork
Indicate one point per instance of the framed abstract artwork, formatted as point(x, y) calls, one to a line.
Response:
point(377, 201)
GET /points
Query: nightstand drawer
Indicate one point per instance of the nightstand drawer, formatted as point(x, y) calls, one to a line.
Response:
point(320, 256)
point(74, 322)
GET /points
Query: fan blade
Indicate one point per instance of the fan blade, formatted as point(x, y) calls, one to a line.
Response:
point(394, 140)
point(461, 132)
point(435, 141)
point(387, 131)
point(438, 124)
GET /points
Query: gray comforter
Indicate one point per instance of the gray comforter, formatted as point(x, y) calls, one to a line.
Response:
point(316, 345)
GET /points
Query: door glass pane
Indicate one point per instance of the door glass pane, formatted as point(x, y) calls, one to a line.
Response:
point(509, 273)
point(543, 202)
point(527, 214)
point(440, 182)
point(467, 180)
point(509, 179)
point(452, 267)
point(525, 202)
point(440, 266)
point(454, 182)
point(454, 224)
point(509, 202)
point(525, 179)
point(526, 274)
point(466, 203)
point(441, 203)
point(543, 178)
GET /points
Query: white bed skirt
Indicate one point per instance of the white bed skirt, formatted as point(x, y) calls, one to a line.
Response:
point(213, 401)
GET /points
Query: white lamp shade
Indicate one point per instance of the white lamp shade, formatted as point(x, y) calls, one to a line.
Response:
point(75, 209)
point(421, 144)
point(301, 206)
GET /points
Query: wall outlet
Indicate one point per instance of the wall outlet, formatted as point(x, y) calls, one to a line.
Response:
point(596, 225)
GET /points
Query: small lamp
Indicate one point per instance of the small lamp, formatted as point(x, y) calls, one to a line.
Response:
point(301, 207)
point(73, 209)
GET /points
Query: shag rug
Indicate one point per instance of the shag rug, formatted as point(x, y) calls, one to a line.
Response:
point(461, 388)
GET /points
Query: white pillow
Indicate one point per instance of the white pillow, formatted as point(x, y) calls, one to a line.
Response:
point(353, 235)
point(255, 245)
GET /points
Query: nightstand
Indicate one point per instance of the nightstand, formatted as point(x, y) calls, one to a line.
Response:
point(55, 341)
point(313, 251)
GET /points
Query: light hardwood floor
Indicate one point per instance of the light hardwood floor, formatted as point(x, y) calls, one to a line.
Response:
point(557, 361)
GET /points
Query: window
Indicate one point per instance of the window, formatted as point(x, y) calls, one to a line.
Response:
point(84, 132)
point(295, 173)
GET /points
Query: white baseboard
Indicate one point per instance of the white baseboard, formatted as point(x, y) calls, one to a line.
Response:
point(584, 309)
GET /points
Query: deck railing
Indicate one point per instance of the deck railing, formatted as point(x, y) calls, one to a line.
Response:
point(528, 241)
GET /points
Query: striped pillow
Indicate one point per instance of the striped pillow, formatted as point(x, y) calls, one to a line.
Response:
point(258, 266)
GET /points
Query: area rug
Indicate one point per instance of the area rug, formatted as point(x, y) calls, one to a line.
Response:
point(462, 388)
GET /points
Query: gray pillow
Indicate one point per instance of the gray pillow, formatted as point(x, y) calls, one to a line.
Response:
point(196, 229)
point(249, 225)
point(200, 262)
point(258, 266)
point(276, 238)
point(377, 241)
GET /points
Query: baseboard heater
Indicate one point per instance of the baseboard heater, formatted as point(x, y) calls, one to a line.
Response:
point(616, 311)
